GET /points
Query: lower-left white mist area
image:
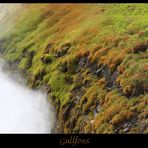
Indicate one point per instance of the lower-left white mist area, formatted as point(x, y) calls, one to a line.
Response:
point(23, 110)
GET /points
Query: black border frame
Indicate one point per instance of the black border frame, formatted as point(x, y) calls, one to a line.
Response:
point(95, 140)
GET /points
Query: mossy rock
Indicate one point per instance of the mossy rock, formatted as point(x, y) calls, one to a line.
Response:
point(46, 59)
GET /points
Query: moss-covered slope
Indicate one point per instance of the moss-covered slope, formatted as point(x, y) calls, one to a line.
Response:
point(92, 59)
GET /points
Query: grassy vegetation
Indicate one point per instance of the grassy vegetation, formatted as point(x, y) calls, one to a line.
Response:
point(61, 35)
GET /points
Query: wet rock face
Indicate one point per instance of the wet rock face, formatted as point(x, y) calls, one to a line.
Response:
point(140, 48)
point(93, 68)
point(66, 119)
point(63, 67)
point(68, 79)
point(63, 50)
point(48, 48)
point(71, 123)
point(46, 59)
point(126, 126)
point(83, 62)
point(29, 55)
point(97, 108)
point(111, 80)
point(66, 111)
point(103, 71)
point(137, 90)
point(77, 94)
point(144, 126)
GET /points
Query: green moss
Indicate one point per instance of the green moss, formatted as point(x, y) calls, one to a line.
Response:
point(58, 85)
point(24, 64)
point(47, 58)
point(102, 128)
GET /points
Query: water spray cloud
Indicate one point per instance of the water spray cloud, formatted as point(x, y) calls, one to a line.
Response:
point(23, 110)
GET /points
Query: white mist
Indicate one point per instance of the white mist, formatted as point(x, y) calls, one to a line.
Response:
point(23, 110)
